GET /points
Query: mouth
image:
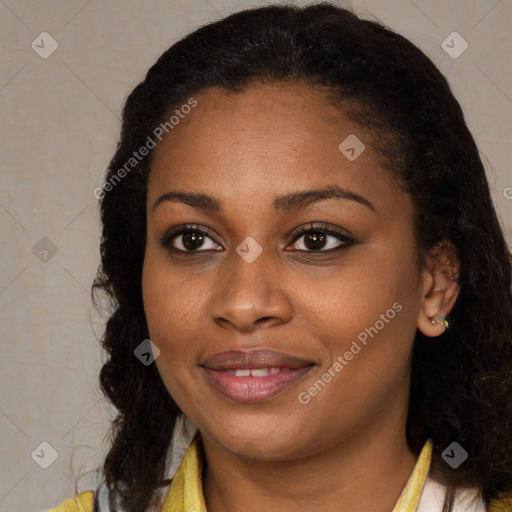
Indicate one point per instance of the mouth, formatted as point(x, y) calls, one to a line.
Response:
point(255, 372)
point(254, 376)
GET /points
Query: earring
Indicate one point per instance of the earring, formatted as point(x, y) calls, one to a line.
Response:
point(444, 322)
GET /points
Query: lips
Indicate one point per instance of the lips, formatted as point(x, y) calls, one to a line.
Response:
point(254, 376)
point(261, 358)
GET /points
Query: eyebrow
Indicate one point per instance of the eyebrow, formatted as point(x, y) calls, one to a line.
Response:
point(285, 203)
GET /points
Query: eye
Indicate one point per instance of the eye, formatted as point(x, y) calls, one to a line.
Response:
point(193, 238)
point(189, 238)
point(316, 239)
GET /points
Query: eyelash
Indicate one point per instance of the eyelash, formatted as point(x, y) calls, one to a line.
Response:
point(167, 238)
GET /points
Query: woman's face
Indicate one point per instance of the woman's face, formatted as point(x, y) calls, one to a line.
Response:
point(279, 344)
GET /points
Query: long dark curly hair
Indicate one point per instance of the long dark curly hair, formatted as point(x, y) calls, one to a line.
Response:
point(461, 386)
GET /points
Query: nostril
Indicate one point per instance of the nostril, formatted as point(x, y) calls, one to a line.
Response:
point(264, 319)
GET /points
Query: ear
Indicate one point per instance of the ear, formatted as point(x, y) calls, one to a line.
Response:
point(440, 288)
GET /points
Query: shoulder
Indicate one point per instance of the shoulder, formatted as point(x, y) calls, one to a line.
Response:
point(84, 502)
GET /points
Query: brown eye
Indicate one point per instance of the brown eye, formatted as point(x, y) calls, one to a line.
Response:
point(189, 239)
point(193, 240)
point(314, 241)
point(320, 239)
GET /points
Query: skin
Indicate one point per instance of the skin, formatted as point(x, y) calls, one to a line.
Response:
point(346, 449)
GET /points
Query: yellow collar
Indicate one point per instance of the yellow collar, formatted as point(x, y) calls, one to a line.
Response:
point(186, 491)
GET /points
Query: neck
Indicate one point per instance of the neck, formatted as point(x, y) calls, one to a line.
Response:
point(367, 472)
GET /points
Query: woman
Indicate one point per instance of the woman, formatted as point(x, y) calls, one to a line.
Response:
point(298, 219)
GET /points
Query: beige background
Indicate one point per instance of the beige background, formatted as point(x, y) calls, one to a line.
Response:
point(59, 126)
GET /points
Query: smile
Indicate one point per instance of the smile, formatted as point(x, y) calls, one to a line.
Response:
point(254, 385)
point(254, 372)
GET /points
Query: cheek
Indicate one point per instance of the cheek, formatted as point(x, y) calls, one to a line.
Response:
point(169, 312)
point(167, 295)
point(355, 295)
point(174, 309)
point(368, 317)
point(367, 365)
point(161, 307)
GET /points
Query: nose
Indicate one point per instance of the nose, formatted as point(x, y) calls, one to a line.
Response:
point(251, 294)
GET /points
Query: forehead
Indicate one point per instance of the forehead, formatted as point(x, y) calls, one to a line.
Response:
point(264, 141)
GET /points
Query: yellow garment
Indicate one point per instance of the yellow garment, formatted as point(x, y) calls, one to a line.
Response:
point(410, 497)
point(502, 504)
point(82, 503)
point(186, 493)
